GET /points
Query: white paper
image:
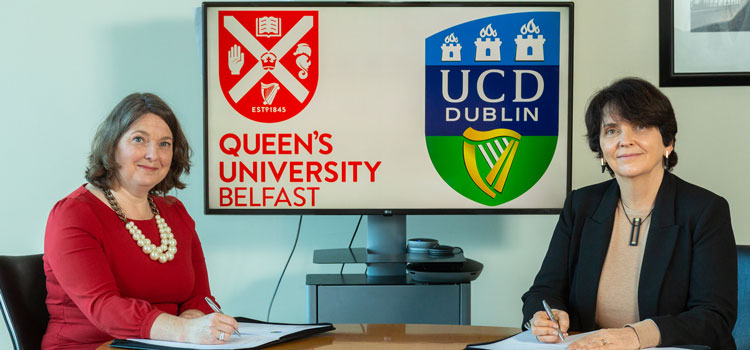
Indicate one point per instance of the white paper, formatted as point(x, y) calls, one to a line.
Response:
point(527, 340)
point(251, 335)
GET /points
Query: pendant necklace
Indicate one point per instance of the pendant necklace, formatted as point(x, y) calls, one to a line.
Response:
point(635, 225)
point(168, 248)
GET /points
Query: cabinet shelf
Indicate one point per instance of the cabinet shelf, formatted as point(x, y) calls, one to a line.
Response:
point(360, 256)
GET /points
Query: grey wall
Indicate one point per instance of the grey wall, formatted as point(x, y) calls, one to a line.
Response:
point(64, 65)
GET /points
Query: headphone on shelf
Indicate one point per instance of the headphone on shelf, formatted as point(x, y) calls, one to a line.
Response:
point(431, 247)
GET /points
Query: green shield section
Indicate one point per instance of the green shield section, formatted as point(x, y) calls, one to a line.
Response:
point(532, 158)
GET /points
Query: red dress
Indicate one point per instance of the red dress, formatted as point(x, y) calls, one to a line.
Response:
point(100, 285)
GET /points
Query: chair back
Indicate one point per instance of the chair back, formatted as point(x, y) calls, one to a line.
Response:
point(22, 298)
point(741, 332)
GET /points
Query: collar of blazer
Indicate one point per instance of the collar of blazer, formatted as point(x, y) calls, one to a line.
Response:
point(658, 251)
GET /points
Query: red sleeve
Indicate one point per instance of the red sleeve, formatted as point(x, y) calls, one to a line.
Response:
point(73, 249)
point(201, 288)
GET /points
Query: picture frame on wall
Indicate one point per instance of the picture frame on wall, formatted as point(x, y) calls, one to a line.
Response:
point(704, 42)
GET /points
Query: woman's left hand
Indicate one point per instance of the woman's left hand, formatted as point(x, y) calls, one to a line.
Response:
point(192, 313)
point(609, 339)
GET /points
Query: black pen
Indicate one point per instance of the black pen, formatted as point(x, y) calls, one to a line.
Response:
point(552, 317)
point(216, 309)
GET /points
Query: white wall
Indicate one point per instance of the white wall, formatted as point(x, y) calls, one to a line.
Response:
point(64, 65)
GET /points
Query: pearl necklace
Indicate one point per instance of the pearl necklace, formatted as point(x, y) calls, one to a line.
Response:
point(168, 248)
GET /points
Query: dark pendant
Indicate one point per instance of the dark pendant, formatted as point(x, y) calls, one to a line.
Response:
point(635, 232)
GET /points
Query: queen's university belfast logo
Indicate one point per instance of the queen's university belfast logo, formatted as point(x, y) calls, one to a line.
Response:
point(268, 62)
point(492, 103)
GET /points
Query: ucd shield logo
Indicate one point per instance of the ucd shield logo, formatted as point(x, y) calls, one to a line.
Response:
point(492, 103)
point(268, 62)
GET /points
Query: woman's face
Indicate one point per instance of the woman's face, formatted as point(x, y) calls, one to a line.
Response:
point(631, 150)
point(144, 153)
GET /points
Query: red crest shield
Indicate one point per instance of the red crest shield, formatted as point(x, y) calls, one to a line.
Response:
point(268, 62)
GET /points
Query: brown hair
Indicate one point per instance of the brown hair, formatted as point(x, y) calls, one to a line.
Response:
point(102, 167)
point(637, 102)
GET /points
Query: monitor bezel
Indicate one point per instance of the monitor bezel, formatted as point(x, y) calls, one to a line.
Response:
point(385, 211)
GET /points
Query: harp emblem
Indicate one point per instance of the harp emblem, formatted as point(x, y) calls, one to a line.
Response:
point(268, 92)
point(489, 168)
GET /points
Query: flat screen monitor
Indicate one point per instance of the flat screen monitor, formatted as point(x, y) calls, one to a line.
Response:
point(386, 107)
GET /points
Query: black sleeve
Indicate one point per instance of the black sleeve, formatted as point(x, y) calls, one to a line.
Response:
point(712, 304)
point(551, 283)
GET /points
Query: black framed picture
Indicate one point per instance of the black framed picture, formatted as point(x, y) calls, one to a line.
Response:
point(704, 42)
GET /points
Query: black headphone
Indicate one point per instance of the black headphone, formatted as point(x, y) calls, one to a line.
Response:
point(431, 247)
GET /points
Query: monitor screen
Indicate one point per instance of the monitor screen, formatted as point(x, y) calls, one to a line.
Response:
point(386, 108)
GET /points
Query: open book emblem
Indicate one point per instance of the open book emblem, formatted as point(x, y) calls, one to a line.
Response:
point(268, 26)
point(268, 62)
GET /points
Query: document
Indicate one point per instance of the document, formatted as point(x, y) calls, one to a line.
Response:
point(252, 335)
point(527, 340)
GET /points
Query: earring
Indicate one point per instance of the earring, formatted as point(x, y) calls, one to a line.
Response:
point(604, 165)
point(666, 159)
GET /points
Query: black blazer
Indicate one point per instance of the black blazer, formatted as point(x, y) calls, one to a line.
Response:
point(688, 281)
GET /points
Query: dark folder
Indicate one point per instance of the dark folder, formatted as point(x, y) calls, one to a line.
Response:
point(134, 344)
point(478, 346)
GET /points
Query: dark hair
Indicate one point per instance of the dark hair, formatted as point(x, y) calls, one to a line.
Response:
point(102, 167)
point(637, 102)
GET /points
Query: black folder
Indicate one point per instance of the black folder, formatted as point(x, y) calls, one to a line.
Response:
point(477, 346)
point(134, 344)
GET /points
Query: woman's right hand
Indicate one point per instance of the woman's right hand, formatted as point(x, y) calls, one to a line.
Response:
point(546, 330)
point(207, 329)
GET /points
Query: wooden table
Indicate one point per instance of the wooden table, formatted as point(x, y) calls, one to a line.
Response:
point(395, 336)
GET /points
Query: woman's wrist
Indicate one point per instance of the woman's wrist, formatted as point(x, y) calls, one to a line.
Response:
point(192, 313)
point(637, 338)
point(169, 327)
point(647, 332)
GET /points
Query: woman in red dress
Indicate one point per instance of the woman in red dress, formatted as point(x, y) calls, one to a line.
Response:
point(122, 258)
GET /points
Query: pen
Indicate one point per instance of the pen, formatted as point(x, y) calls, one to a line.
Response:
point(551, 317)
point(216, 309)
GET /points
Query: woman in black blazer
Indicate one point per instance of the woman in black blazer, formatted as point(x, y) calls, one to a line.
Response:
point(647, 258)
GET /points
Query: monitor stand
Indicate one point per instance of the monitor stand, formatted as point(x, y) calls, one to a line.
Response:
point(386, 245)
point(385, 293)
point(386, 254)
